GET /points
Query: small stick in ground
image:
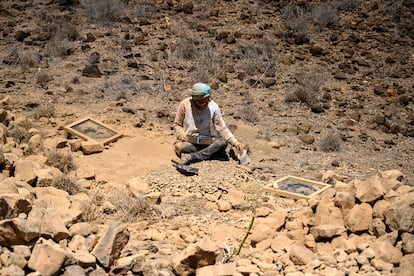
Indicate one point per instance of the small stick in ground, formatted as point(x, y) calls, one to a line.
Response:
point(247, 233)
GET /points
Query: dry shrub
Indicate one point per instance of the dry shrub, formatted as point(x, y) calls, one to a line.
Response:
point(46, 110)
point(347, 4)
point(26, 59)
point(325, 15)
point(296, 17)
point(142, 8)
point(62, 30)
point(247, 110)
point(307, 90)
point(254, 59)
point(128, 207)
point(330, 142)
point(63, 161)
point(68, 184)
point(62, 36)
point(202, 53)
point(20, 131)
point(104, 11)
point(90, 210)
point(42, 79)
point(248, 113)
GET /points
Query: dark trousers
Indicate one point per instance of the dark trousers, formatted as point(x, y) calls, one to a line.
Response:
point(216, 150)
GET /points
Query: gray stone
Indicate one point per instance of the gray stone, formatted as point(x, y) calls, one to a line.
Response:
point(400, 213)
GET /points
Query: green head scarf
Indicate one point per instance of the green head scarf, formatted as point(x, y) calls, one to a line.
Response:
point(200, 91)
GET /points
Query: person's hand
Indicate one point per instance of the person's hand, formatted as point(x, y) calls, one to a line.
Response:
point(240, 147)
point(182, 137)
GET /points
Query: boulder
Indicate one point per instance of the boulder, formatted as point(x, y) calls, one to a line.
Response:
point(399, 215)
point(259, 233)
point(345, 201)
point(35, 144)
point(111, 243)
point(49, 221)
point(407, 243)
point(16, 231)
point(300, 255)
point(47, 257)
point(12, 270)
point(406, 266)
point(196, 255)
point(90, 147)
point(11, 205)
point(25, 170)
point(281, 242)
point(86, 171)
point(327, 213)
point(47, 176)
point(369, 190)
point(386, 252)
point(275, 220)
point(327, 231)
point(359, 218)
point(138, 187)
point(82, 228)
point(74, 270)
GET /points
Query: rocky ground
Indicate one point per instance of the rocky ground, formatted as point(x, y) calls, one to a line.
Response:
point(321, 90)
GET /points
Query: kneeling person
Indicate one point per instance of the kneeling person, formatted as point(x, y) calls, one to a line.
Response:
point(200, 129)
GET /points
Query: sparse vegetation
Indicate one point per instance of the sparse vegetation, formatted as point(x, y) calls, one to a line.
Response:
point(68, 184)
point(247, 111)
point(204, 54)
point(325, 15)
point(46, 110)
point(42, 79)
point(63, 161)
point(128, 207)
point(330, 142)
point(254, 59)
point(307, 90)
point(347, 4)
point(20, 131)
point(296, 17)
point(104, 11)
point(26, 59)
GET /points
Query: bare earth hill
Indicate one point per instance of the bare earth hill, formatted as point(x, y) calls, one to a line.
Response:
point(321, 90)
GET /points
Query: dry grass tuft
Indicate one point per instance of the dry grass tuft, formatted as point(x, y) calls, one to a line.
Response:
point(307, 90)
point(128, 207)
point(104, 11)
point(331, 142)
point(20, 131)
point(46, 111)
point(63, 161)
point(42, 79)
point(68, 184)
point(202, 53)
point(296, 17)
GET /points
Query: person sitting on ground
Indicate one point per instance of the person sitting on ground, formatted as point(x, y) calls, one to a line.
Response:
point(200, 129)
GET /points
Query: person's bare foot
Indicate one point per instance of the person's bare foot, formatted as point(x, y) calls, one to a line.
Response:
point(185, 159)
